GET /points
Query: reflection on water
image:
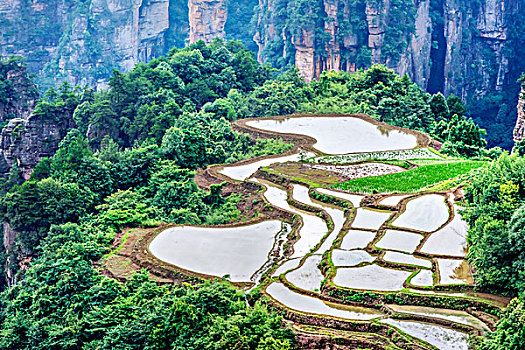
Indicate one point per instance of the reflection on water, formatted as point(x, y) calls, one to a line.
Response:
point(426, 213)
point(371, 277)
point(450, 240)
point(303, 303)
point(370, 219)
point(350, 257)
point(399, 240)
point(402, 258)
point(446, 314)
point(341, 135)
point(217, 251)
point(313, 230)
point(242, 172)
point(441, 337)
point(308, 276)
point(423, 279)
point(453, 271)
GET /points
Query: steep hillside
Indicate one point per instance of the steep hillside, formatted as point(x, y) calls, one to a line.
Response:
point(464, 47)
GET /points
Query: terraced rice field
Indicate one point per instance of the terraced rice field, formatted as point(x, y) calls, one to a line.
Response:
point(340, 135)
point(348, 260)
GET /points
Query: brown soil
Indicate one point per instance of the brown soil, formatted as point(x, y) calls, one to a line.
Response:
point(120, 265)
point(308, 174)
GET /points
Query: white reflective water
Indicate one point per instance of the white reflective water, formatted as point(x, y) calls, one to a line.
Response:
point(446, 314)
point(355, 199)
point(339, 135)
point(450, 240)
point(423, 279)
point(287, 265)
point(242, 172)
point(307, 276)
point(217, 251)
point(304, 303)
point(402, 258)
point(425, 213)
point(454, 271)
point(441, 337)
point(300, 193)
point(357, 239)
point(370, 219)
point(350, 257)
point(313, 230)
point(392, 201)
point(371, 277)
point(399, 240)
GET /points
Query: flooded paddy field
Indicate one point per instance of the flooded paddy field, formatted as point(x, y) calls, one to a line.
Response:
point(423, 278)
point(217, 251)
point(371, 277)
point(312, 305)
point(244, 171)
point(350, 257)
point(451, 240)
point(414, 248)
point(370, 219)
point(399, 240)
point(358, 135)
point(425, 213)
point(357, 239)
point(407, 259)
point(440, 337)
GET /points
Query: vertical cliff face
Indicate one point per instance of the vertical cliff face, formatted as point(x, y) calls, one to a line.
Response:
point(473, 49)
point(82, 43)
point(26, 141)
point(519, 129)
point(15, 82)
point(207, 19)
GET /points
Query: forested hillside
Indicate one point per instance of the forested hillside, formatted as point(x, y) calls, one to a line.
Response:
point(129, 159)
point(468, 48)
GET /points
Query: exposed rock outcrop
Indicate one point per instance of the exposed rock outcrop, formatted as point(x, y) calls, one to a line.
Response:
point(468, 48)
point(207, 19)
point(375, 16)
point(83, 44)
point(519, 130)
point(14, 81)
point(27, 141)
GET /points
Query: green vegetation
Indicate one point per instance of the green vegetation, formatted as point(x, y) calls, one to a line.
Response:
point(130, 160)
point(413, 180)
point(496, 216)
point(378, 92)
point(63, 303)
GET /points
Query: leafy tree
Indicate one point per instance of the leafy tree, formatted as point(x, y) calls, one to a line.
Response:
point(455, 106)
point(439, 107)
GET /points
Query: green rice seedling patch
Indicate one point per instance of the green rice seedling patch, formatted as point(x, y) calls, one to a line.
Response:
point(413, 180)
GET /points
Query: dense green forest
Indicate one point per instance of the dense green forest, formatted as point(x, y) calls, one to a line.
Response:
point(131, 161)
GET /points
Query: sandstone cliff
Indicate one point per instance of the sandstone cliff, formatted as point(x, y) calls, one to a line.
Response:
point(14, 81)
point(519, 129)
point(207, 19)
point(469, 48)
point(27, 141)
point(83, 43)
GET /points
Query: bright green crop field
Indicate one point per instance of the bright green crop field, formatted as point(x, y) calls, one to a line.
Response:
point(412, 180)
